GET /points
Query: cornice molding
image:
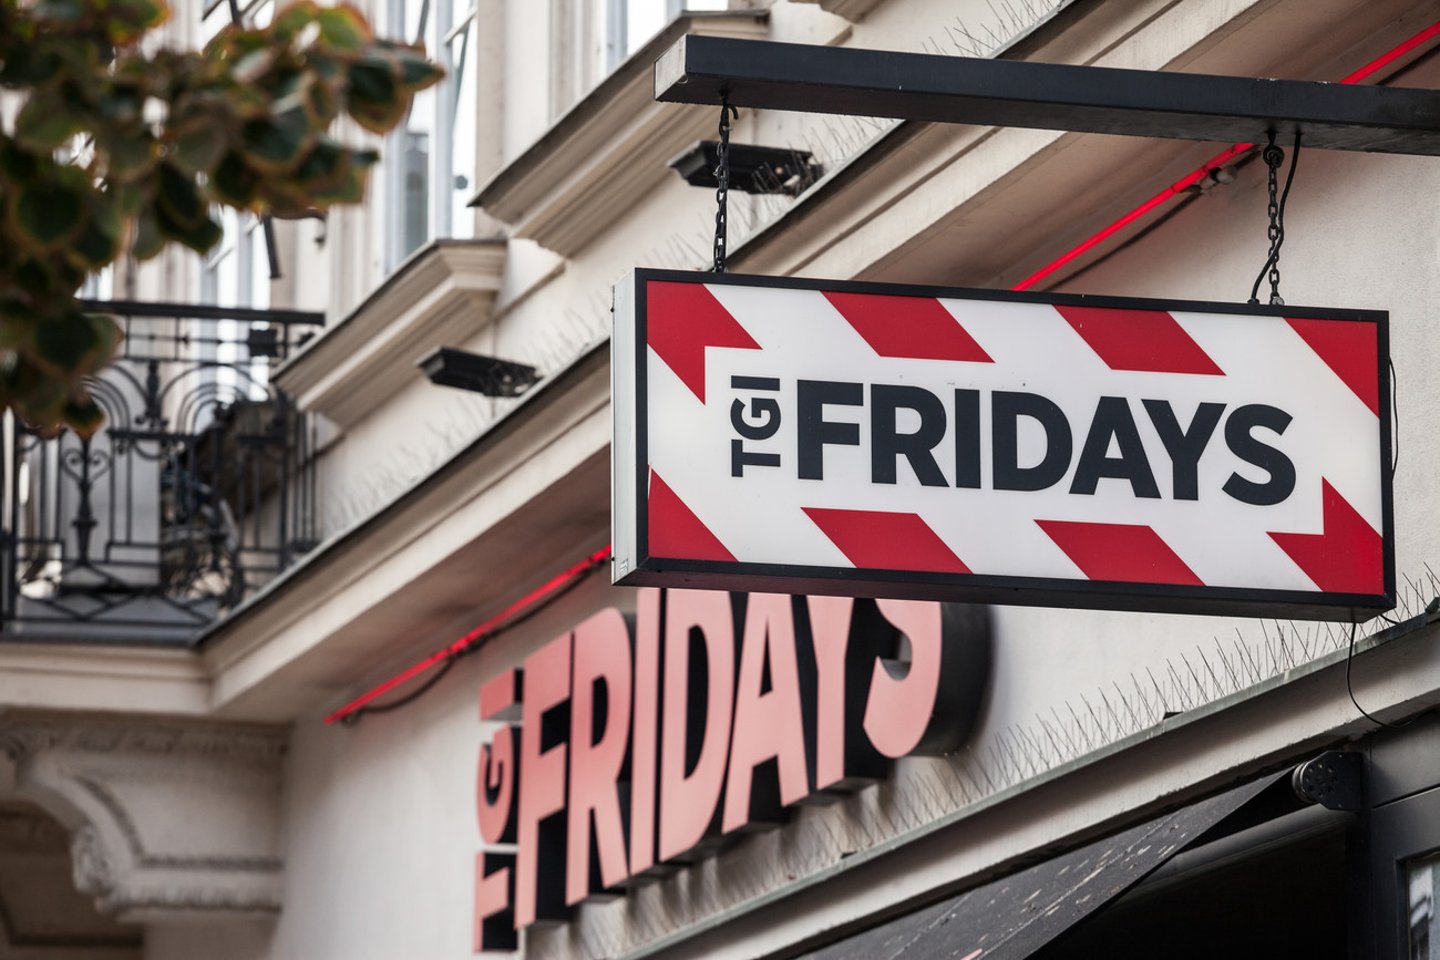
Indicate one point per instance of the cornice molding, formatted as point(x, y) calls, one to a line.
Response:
point(103, 678)
point(610, 149)
point(441, 296)
point(23, 736)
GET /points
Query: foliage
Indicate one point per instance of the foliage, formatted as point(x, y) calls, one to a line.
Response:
point(123, 145)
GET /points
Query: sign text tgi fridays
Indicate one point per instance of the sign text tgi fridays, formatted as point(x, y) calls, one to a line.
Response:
point(868, 439)
point(630, 746)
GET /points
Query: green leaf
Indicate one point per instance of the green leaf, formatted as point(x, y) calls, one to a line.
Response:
point(374, 77)
point(416, 72)
point(16, 323)
point(286, 199)
point(179, 199)
point(292, 19)
point(351, 188)
point(122, 103)
point(99, 243)
point(330, 175)
point(254, 65)
point(73, 343)
point(321, 165)
point(128, 156)
point(93, 249)
point(343, 27)
point(49, 213)
point(149, 240)
point(234, 182)
point(83, 415)
point(45, 122)
point(200, 237)
point(199, 147)
point(128, 199)
point(128, 20)
point(278, 144)
point(39, 398)
point(373, 94)
point(27, 66)
point(17, 165)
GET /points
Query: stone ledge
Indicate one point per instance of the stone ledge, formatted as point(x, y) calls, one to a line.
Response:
point(441, 296)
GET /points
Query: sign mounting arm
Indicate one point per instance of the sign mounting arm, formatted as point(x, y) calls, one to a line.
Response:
point(765, 74)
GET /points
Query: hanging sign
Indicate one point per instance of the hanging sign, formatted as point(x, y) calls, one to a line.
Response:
point(866, 439)
point(628, 747)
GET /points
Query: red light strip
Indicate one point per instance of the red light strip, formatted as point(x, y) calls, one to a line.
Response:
point(1214, 163)
point(1393, 54)
point(600, 556)
point(546, 589)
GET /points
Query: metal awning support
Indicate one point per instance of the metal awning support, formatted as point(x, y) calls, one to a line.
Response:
point(1012, 93)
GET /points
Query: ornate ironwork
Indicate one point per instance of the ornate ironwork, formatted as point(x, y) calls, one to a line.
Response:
point(196, 491)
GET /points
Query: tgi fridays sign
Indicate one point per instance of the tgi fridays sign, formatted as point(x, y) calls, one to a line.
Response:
point(632, 745)
point(866, 439)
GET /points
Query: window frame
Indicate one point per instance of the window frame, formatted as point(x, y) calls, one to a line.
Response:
point(440, 23)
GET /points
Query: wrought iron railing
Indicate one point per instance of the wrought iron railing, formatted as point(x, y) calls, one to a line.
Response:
point(197, 489)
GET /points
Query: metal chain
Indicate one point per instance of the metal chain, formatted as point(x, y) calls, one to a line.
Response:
point(722, 180)
point(1274, 157)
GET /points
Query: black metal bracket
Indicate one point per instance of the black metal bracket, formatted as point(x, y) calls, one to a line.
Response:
point(765, 74)
point(1335, 780)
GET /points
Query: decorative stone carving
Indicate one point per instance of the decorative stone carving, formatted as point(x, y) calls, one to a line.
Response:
point(852, 10)
point(165, 818)
point(92, 872)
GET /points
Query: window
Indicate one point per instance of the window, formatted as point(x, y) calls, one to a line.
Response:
point(590, 38)
point(100, 285)
point(236, 273)
point(629, 23)
point(1424, 943)
point(430, 159)
point(219, 14)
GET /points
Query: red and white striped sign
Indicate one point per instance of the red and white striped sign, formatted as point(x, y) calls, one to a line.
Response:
point(803, 436)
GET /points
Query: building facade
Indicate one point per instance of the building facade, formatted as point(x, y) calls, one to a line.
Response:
point(334, 537)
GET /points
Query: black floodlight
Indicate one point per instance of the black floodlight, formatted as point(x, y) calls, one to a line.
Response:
point(263, 341)
point(478, 373)
point(753, 169)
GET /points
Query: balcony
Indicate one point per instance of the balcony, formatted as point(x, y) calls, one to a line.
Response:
point(196, 491)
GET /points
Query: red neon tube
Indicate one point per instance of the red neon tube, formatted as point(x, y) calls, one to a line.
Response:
point(1100, 236)
point(1215, 162)
point(539, 594)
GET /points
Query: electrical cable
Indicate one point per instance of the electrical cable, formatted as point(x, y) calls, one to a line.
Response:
point(1350, 689)
point(1394, 421)
point(448, 663)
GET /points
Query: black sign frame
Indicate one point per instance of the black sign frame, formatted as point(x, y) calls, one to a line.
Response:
point(634, 566)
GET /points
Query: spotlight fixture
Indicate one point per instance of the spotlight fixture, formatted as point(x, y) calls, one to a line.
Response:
point(491, 376)
point(753, 169)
